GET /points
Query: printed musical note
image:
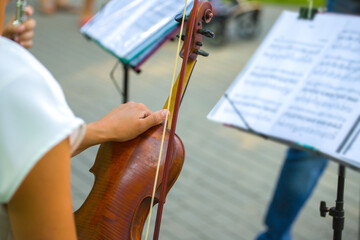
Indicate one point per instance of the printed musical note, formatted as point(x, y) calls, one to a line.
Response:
point(338, 67)
point(347, 40)
point(281, 49)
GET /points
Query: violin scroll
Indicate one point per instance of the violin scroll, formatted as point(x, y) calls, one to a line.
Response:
point(204, 13)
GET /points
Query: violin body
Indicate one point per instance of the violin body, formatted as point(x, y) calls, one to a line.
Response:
point(119, 202)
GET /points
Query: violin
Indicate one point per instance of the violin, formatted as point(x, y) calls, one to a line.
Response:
point(124, 192)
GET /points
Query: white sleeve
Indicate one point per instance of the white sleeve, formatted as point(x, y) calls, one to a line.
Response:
point(34, 117)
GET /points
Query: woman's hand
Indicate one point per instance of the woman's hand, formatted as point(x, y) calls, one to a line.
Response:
point(123, 123)
point(127, 121)
point(24, 33)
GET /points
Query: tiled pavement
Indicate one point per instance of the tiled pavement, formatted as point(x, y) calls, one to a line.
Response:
point(228, 176)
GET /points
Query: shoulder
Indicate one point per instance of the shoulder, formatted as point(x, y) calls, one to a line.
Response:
point(25, 82)
point(17, 63)
point(34, 115)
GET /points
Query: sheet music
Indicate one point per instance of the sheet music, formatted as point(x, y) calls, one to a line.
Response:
point(302, 85)
point(345, 65)
point(127, 28)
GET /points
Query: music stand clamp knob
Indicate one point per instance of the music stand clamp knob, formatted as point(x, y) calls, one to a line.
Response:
point(323, 209)
point(338, 215)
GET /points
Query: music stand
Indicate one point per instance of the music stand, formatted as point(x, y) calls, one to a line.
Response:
point(133, 31)
point(271, 99)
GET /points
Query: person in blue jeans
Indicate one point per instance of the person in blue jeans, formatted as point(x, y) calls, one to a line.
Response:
point(298, 178)
point(300, 172)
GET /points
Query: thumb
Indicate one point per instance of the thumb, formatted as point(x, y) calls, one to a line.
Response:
point(155, 118)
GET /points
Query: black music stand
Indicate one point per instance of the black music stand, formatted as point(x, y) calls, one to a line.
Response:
point(133, 41)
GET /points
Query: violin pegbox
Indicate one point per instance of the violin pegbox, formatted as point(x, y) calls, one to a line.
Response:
point(203, 13)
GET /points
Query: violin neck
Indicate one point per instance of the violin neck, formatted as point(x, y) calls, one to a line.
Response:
point(189, 68)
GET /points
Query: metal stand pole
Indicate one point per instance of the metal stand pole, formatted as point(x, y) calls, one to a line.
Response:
point(337, 212)
point(126, 81)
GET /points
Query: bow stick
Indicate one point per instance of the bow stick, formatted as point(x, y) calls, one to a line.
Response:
point(189, 51)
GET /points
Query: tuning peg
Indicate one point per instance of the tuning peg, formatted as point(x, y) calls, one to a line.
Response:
point(179, 17)
point(182, 37)
point(199, 44)
point(201, 52)
point(206, 33)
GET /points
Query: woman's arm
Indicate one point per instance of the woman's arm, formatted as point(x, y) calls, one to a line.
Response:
point(41, 208)
point(123, 123)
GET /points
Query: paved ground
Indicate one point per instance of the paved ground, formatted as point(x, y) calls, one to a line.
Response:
point(228, 176)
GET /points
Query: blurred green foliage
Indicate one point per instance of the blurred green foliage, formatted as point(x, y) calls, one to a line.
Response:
point(316, 3)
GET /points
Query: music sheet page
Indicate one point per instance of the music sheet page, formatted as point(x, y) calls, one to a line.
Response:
point(126, 28)
point(302, 85)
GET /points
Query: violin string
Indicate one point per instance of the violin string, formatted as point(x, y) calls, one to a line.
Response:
point(165, 123)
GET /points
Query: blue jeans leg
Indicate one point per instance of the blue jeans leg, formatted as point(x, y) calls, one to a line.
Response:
point(298, 178)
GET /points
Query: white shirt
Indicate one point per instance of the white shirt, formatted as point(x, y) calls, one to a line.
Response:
point(34, 117)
